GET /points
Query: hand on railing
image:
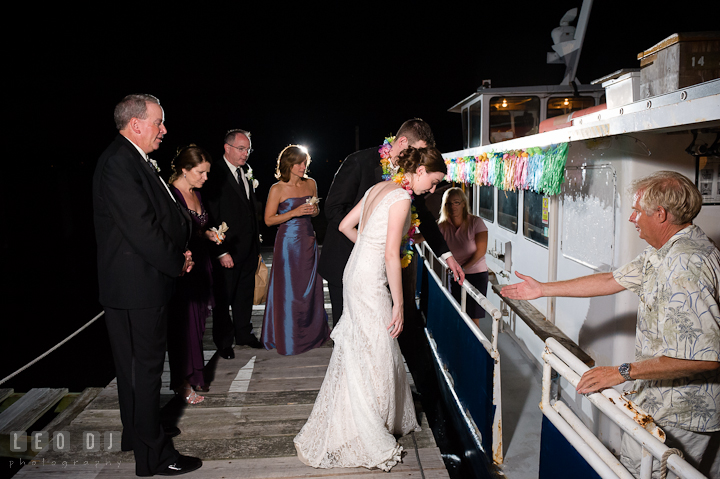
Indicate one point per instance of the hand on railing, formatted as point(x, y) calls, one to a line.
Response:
point(456, 269)
point(599, 378)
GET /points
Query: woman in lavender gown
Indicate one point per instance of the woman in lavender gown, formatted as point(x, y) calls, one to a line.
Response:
point(193, 297)
point(295, 319)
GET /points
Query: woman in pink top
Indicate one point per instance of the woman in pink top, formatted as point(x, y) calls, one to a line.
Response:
point(467, 237)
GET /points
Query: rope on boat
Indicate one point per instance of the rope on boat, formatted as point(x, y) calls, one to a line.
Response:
point(52, 349)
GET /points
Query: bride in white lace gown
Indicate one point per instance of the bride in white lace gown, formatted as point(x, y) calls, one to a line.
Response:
point(365, 399)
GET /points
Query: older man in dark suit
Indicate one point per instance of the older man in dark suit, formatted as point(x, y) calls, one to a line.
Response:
point(230, 198)
point(356, 175)
point(141, 248)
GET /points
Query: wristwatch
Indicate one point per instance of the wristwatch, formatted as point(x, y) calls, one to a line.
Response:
point(624, 371)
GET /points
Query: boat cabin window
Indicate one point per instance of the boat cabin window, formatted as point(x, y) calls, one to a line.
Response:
point(508, 210)
point(588, 215)
point(565, 105)
point(535, 217)
point(475, 112)
point(513, 117)
point(486, 203)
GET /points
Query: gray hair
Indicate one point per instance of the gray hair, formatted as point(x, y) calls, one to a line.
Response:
point(230, 135)
point(674, 192)
point(132, 106)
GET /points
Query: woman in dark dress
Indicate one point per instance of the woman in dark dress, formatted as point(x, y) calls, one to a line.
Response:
point(295, 319)
point(193, 298)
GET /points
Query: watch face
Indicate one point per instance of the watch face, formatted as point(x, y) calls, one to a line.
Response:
point(624, 371)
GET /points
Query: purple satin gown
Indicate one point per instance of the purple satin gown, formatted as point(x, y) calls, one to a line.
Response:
point(190, 306)
point(295, 319)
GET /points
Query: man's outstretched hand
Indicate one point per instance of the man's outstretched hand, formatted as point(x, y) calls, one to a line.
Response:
point(528, 289)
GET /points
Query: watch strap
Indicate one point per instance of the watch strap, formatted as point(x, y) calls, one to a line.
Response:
point(624, 371)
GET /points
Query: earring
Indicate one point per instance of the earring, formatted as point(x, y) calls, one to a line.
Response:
point(184, 175)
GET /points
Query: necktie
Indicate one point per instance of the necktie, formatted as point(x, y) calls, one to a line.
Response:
point(241, 177)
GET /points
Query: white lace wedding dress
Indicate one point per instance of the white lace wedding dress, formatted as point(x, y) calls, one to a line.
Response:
point(365, 398)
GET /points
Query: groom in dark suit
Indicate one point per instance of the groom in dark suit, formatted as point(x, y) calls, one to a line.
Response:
point(356, 175)
point(230, 198)
point(141, 248)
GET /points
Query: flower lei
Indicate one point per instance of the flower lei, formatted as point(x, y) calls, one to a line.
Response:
point(397, 175)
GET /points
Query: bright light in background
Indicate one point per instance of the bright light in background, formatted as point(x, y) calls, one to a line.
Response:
point(304, 149)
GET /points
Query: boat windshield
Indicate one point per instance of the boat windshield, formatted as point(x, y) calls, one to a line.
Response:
point(567, 104)
point(513, 117)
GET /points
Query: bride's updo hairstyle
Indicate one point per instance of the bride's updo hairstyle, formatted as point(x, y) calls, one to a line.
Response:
point(412, 158)
point(187, 158)
point(290, 156)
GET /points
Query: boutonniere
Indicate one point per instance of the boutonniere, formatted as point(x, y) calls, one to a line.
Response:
point(251, 179)
point(154, 164)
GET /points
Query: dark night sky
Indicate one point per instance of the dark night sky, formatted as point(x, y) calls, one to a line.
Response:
point(299, 74)
point(309, 74)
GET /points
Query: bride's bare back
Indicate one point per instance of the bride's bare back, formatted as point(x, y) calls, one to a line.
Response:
point(374, 197)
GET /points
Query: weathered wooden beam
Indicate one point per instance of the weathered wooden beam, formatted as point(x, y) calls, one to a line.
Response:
point(5, 393)
point(29, 408)
point(543, 328)
point(64, 419)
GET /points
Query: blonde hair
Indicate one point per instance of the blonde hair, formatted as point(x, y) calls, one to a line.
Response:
point(674, 192)
point(446, 212)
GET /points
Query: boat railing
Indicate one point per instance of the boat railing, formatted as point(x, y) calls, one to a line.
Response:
point(615, 406)
point(446, 348)
point(470, 376)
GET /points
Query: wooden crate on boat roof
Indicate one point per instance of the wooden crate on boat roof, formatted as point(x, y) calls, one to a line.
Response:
point(681, 60)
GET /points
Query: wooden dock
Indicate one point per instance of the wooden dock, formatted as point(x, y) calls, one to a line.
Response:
point(257, 403)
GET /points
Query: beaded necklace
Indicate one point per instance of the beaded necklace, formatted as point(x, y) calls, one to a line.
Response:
point(397, 175)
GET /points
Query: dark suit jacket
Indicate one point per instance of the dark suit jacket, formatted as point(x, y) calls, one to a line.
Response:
point(226, 201)
point(356, 175)
point(141, 233)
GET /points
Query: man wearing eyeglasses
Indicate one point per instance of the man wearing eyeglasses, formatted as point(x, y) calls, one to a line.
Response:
point(230, 198)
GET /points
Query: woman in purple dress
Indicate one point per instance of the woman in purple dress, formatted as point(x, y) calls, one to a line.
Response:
point(193, 297)
point(295, 319)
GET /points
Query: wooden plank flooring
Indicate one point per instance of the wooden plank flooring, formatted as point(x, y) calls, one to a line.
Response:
point(29, 408)
point(257, 403)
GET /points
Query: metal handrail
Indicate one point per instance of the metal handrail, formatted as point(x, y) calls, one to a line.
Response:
point(623, 412)
point(490, 345)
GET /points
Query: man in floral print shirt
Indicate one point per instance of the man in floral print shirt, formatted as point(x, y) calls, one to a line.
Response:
point(677, 343)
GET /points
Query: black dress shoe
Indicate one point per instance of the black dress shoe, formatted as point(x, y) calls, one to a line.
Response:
point(171, 431)
point(227, 353)
point(183, 465)
point(252, 341)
